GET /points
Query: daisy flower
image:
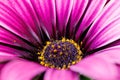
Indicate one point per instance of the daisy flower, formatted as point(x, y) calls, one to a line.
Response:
point(59, 39)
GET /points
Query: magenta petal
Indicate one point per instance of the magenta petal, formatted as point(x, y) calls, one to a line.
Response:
point(46, 14)
point(10, 38)
point(94, 9)
point(101, 66)
point(111, 54)
point(63, 9)
point(7, 53)
point(1, 67)
point(18, 17)
point(110, 12)
point(7, 58)
point(109, 34)
point(6, 50)
point(77, 12)
point(21, 70)
point(52, 74)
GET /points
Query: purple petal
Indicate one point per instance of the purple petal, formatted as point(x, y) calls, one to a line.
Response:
point(94, 9)
point(52, 74)
point(21, 70)
point(109, 34)
point(6, 50)
point(4, 58)
point(10, 38)
point(111, 54)
point(18, 17)
point(1, 67)
point(7, 53)
point(46, 14)
point(63, 10)
point(101, 66)
point(77, 11)
point(108, 15)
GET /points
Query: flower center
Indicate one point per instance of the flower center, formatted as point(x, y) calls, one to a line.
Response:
point(60, 54)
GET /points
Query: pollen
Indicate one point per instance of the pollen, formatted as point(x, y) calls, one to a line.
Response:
point(60, 54)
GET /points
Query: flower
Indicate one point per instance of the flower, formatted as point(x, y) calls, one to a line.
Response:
point(62, 38)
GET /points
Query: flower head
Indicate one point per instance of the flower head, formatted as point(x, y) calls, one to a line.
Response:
point(61, 38)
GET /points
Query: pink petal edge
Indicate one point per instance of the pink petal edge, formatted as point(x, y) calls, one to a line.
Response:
point(52, 74)
point(21, 70)
point(101, 65)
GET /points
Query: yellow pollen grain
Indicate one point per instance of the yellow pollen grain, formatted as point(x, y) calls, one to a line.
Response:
point(46, 65)
point(38, 53)
point(73, 62)
point(63, 40)
point(40, 58)
point(75, 44)
point(48, 43)
point(61, 53)
point(52, 46)
point(55, 50)
point(64, 66)
point(42, 63)
point(68, 40)
point(59, 46)
point(52, 66)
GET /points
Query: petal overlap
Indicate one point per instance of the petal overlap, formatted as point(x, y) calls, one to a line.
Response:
point(110, 13)
point(90, 15)
point(101, 65)
point(60, 75)
point(21, 67)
